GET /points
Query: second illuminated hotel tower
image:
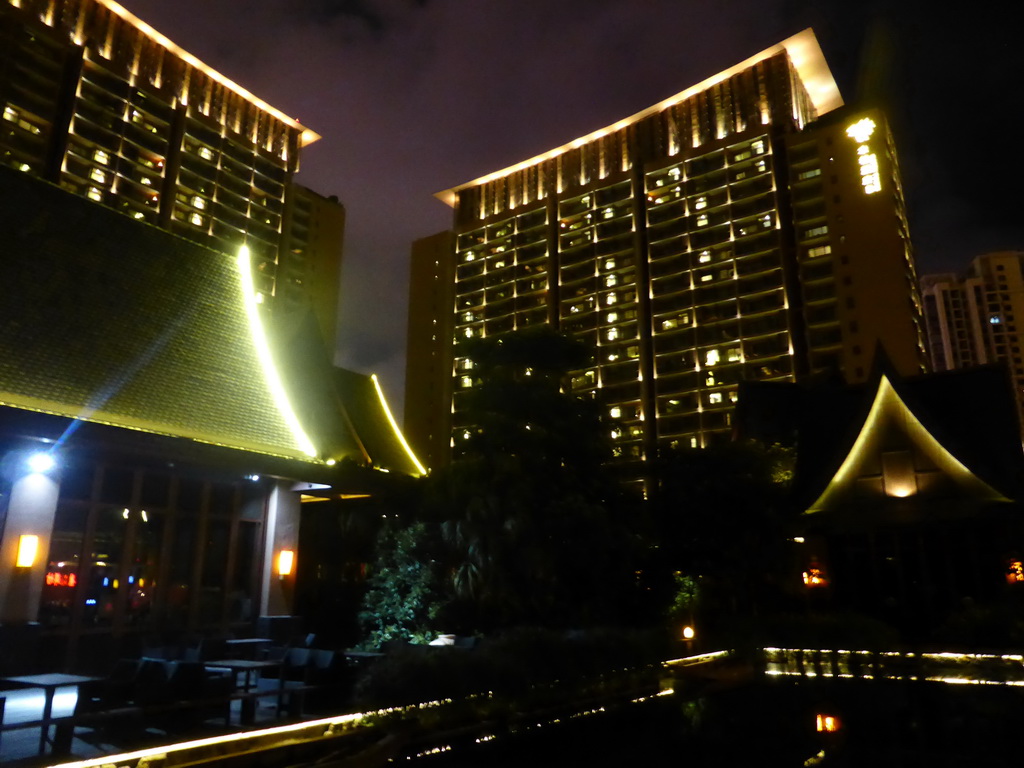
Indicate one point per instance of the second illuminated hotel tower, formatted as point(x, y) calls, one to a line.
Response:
point(97, 101)
point(747, 228)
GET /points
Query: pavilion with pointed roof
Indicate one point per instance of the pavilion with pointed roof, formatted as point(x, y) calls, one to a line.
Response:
point(908, 489)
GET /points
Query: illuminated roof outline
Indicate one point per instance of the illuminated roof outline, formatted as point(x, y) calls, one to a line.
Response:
point(803, 51)
point(308, 136)
point(888, 405)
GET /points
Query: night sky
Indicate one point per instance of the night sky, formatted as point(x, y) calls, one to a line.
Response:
point(415, 96)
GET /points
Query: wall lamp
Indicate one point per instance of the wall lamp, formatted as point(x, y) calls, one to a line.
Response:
point(28, 546)
point(285, 562)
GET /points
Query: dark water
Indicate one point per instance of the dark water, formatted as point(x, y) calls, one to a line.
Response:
point(775, 723)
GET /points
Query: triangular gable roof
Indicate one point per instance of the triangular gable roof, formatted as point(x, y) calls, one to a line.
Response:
point(370, 415)
point(890, 411)
point(108, 320)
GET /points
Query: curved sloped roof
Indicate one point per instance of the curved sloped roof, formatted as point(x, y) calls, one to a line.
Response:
point(108, 320)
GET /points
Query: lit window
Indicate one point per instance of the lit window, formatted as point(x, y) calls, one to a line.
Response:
point(615, 412)
point(613, 316)
point(705, 257)
point(608, 213)
point(611, 298)
point(470, 256)
point(612, 334)
point(711, 357)
point(616, 434)
point(467, 381)
point(609, 264)
point(706, 277)
point(1015, 572)
point(761, 166)
point(715, 397)
point(10, 114)
point(821, 250)
point(101, 157)
point(667, 325)
point(97, 175)
point(196, 219)
point(702, 220)
point(700, 204)
point(810, 174)
point(206, 153)
point(611, 280)
point(733, 355)
point(827, 724)
point(816, 232)
point(95, 194)
point(815, 576)
point(758, 146)
point(198, 202)
point(468, 333)
point(147, 181)
point(468, 317)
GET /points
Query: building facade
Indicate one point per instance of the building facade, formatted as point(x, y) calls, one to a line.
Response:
point(97, 101)
point(428, 355)
point(972, 319)
point(746, 228)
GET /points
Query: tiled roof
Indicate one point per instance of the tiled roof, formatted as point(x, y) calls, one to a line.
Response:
point(109, 320)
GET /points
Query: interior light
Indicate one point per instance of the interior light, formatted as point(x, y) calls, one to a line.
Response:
point(28, 546)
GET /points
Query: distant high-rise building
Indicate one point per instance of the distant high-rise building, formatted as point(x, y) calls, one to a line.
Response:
point(745, 228)
point(97, 101)
point(428, 358)
point(973, 319)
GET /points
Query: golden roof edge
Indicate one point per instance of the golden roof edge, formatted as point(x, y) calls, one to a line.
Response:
point(803, 50)
point(308, 136)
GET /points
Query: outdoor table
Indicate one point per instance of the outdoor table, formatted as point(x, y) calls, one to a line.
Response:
point(240, 645)
point(49, 682)
point(247, 667)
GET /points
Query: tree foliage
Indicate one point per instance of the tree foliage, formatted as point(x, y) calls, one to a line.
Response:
point(722, 518)
point(405, 590)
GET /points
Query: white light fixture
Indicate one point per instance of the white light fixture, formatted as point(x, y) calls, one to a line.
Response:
point(41, 462)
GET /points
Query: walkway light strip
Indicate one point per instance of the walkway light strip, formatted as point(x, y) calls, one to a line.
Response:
point(394, 425)
point(162, 752)
point(259, 341)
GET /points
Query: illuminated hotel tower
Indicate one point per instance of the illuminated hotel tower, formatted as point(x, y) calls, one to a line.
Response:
point(97, 101)
point(745, 228)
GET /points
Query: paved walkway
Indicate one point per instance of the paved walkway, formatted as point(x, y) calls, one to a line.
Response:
point(21, 746)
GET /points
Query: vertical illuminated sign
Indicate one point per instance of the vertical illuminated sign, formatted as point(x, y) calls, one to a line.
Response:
point(861, 132)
